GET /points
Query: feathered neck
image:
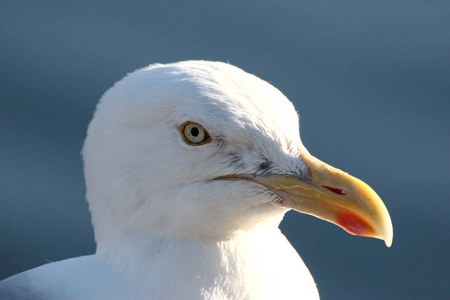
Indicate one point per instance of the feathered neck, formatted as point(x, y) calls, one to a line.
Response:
point(258, 264)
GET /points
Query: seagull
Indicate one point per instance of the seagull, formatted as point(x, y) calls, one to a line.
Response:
point(190, 168)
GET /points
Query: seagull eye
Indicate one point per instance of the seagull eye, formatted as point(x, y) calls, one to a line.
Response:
point(194, 134)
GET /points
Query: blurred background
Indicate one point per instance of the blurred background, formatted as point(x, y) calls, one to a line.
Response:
point(371, 80)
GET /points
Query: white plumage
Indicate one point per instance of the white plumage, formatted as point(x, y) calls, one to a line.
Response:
point(167, 224)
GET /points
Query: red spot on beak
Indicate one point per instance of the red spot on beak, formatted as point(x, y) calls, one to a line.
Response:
point(354, 224)
point(335, 190)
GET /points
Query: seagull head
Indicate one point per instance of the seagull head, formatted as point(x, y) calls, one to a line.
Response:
point(204, 150)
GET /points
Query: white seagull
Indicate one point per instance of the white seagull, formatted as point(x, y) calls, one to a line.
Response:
point(190, 168)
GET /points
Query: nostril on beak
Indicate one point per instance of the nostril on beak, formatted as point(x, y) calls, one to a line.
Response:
point(335, 190)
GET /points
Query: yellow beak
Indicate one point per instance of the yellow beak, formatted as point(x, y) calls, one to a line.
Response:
point(332, 195)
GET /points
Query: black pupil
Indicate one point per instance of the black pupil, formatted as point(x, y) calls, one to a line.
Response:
point(195, 131)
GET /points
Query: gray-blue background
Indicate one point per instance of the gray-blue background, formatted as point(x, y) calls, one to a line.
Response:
point(371, 80)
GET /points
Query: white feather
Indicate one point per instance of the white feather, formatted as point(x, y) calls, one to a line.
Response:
point(164, 229)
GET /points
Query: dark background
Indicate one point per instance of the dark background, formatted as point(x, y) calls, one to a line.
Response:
point(371, 80)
